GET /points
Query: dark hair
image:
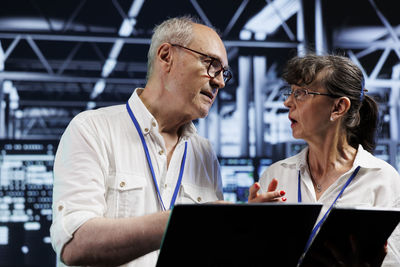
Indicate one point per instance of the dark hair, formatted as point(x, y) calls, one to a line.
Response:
point(343, 78)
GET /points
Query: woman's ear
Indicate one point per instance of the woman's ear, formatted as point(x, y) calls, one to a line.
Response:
point(164, 56)
point(340, 107)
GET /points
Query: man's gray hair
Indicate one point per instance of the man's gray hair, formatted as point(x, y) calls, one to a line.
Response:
point(175, 31)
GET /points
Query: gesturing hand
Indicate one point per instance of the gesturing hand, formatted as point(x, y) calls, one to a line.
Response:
point(272, 195)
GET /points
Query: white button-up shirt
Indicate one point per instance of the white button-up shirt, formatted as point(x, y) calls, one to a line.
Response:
point(377, 184)
point(100, 170)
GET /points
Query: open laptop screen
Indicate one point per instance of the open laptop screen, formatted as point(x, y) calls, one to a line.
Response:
point(268, 234)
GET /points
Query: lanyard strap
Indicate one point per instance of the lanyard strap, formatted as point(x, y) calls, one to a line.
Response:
point(146, 150)
point(299, 188)
point(315, 230)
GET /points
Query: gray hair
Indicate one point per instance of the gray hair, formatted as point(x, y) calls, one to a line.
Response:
point(174, 30)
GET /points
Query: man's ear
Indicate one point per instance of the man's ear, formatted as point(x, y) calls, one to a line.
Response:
point(164, 56)
point(340, 107)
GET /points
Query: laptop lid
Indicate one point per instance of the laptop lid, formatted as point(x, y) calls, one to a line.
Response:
point(268, 234)
point(370, 227)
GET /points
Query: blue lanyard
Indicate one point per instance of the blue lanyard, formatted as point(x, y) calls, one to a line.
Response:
point(315, 230)
point(146, 150)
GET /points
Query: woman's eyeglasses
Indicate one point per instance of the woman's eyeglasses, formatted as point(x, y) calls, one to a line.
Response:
point(215, 66)
point(301, 94)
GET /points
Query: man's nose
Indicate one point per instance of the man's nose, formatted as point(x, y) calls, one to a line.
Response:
point(218, 81)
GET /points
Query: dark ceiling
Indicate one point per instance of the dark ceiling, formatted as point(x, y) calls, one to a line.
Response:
point(56, 49)
point(75, 38)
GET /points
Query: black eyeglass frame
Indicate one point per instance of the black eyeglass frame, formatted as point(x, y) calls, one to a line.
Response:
point(307, 92)
point(226, 73)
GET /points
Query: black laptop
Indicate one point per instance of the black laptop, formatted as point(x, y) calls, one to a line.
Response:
point(370, 228)
point(268, 234)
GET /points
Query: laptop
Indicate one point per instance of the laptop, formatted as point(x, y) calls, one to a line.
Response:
point(370, 228)
point(267, 234)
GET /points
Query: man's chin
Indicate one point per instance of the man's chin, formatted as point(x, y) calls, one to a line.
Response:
point(203, 114)
point(200, 117)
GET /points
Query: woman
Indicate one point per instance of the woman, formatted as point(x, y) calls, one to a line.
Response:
point(328, 108)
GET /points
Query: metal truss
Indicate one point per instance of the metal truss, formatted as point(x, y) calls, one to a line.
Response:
point(109, 78)
point(378, 81)
point(46, 70)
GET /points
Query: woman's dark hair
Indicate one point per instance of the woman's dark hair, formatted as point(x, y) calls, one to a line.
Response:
point(343, 78)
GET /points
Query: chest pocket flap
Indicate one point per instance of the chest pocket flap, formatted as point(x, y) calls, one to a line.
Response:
point(124, 181)
point(125, 196)
point(193, 193)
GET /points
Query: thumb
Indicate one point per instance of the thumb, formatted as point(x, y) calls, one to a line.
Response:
point(253, 190)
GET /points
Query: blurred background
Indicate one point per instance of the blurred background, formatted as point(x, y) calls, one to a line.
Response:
point(61, 57)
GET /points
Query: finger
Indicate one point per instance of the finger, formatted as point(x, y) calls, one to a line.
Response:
point(253, 191)
point(270, 196)
point(273, 185)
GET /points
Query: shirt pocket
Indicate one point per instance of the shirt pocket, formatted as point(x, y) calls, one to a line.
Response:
point(196, 194)
point(125, 196)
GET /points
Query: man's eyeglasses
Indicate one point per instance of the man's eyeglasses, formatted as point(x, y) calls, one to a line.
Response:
point(301, 94)
point(215, 66)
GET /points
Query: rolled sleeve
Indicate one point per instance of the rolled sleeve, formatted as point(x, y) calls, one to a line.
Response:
point(64, 224)
point(79, 183)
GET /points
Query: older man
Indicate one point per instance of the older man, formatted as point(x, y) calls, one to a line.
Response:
point(119, 169)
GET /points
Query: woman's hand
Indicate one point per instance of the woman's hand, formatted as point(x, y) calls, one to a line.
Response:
point(272, 195)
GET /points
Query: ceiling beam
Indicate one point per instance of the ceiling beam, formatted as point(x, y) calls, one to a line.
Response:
point(75, 38)
point(389, 27)
point(40, 55)
point(201, 13)
point(146, 41)
point(261, 44)
point(361, 45)
point(68, 24)
point(44, 77)
point(235, 17)
point(126, 29)
point(65, 103)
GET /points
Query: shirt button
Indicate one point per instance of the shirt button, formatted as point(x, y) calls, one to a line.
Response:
point(161, 152)
point(198, 199)
point(165, 186)
point(121, 184)
point(60, 208)
point(154, 124)
point(146, 130)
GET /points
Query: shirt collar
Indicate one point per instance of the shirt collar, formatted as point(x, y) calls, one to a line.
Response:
point(301, 162)
point(147, 121)
point(298, 161)
point(364, 159)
